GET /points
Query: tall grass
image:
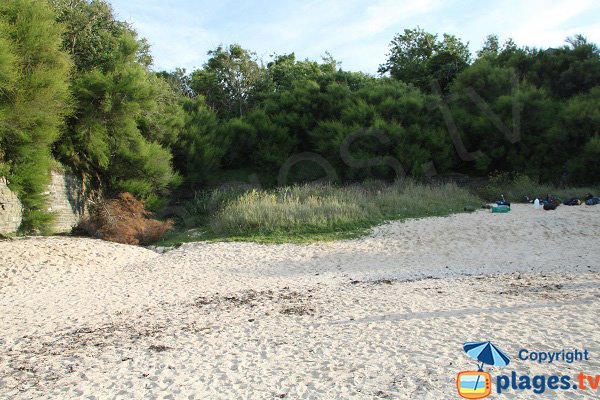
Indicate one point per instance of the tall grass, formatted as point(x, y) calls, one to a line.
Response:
point(322, 212)
point(303, 210)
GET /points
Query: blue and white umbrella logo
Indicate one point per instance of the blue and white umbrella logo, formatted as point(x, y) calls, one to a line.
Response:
point(486, 353)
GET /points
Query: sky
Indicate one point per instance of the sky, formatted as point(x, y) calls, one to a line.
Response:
point(357, 33)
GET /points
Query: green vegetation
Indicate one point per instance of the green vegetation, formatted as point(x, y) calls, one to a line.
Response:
point(125, 117)
point(34, 99)
point(316, 212)
point(77, 85)
point(419, 57)
point(506, 113)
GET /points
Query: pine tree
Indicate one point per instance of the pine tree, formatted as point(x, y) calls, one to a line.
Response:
point(34, 99)
point(119, 134)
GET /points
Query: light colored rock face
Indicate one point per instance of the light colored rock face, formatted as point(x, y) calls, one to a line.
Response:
point(10, 209)
point(66, 199)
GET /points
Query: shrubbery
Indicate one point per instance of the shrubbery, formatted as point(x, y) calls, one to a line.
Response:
point(329, 209)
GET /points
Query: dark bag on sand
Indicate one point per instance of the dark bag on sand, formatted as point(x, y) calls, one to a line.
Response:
point(593, 201)
point(573, 201)
point(550, 205)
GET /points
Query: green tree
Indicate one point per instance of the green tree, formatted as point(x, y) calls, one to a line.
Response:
point(228, 80)
point(487, 86)
point(409, 55)
point(418, 57)
point(574, 138)
point(384, 120)
point(584, 169)
point(490, 48)
point(126, 117)
point(34, 99)
point(163, 120)
point(284, 70)
point(200, 146)
point(564, 71)
point(92, 33)
point(180, 81)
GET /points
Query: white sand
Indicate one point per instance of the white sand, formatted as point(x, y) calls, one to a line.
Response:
point(367, 318)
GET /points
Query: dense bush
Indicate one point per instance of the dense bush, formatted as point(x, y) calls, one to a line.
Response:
point(199, 147)
point(508, 109)
point(505, 112)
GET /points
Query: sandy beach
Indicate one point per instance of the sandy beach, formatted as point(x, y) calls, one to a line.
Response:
point(383, 316)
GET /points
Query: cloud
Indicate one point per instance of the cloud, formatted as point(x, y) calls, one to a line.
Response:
point(385, 14)
point(539, 23)
point(356, 32)
point(176, 33)
point(546, 24)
